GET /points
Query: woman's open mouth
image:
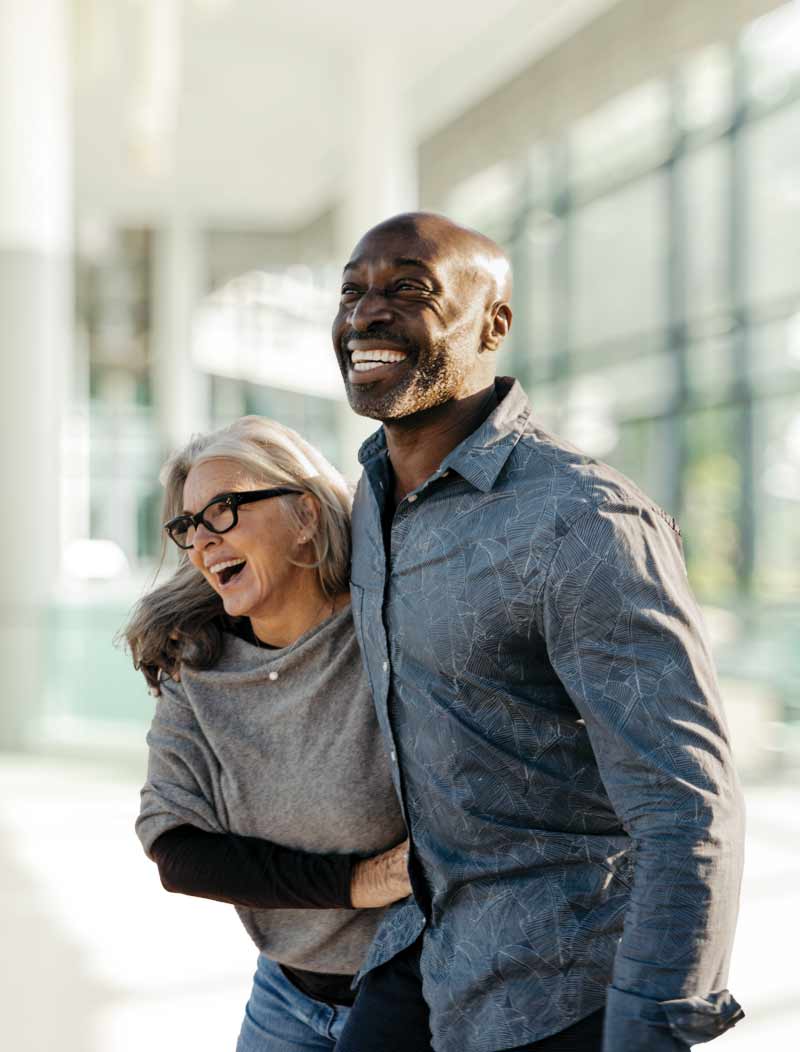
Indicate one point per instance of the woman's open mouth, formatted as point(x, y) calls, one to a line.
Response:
point(227, 571)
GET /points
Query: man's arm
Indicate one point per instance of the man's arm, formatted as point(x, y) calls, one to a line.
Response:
point(625, 637)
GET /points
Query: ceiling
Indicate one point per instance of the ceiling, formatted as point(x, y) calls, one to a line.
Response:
point(249, 111)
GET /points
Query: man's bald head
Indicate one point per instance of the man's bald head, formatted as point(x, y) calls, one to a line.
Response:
point(424, 307)
point(477, 253)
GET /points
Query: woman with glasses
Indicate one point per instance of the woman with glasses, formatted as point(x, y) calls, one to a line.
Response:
point(267, 784)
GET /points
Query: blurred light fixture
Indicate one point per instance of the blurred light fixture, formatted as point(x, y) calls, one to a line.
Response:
point(95, 560)
point(773, 55)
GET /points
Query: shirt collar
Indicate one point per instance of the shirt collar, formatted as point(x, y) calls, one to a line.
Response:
point(480, 458)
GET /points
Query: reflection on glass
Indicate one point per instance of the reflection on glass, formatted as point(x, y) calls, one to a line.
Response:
point(619, 263)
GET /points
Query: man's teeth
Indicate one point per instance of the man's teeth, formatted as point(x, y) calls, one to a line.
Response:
point(219, 567)
point(365, 361)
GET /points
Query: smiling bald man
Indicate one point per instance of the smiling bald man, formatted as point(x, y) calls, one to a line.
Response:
point(543, 682)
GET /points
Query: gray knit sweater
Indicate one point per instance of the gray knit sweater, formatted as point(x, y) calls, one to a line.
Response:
point(283, 745)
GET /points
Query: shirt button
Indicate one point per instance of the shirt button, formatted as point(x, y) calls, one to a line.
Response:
point(273, 676)
point(386, 666)
point(393, 755)
point(412, 497)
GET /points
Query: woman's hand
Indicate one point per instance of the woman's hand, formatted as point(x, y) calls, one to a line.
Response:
point(380, 880)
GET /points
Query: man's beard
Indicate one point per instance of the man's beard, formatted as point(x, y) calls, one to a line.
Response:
point(433, 382)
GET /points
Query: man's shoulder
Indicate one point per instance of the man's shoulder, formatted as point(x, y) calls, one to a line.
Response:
point(560, 483)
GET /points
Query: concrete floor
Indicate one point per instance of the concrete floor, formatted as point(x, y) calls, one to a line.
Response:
point(97, 958)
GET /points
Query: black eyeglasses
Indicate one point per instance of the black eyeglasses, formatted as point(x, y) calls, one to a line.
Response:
point(219, 515)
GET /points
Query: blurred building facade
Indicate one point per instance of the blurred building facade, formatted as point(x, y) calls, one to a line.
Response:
point(639, 159)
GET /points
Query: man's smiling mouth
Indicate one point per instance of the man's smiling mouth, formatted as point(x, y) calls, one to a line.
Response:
point(366, 361)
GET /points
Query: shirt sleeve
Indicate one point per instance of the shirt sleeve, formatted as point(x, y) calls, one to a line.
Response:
point(624, 635)
point(250, 872)
point(182, 772)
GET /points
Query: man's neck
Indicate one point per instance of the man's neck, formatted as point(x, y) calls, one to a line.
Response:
point(418, 444)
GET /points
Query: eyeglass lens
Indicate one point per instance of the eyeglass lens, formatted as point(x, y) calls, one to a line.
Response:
point(217, 517)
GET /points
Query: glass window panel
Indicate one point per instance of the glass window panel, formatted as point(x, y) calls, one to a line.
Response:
point(314, 418)
point(589, 416)
point(548, 402)
point(772, 151)
point(710, 517)
point(535, 286)
point(775, 350)
point(772, 53)
point(257, 326)
point(540, 173)
point(777, 569)
point(709, 364)
point(618, 264)
point(488, 200)
point(645, 452)
point(639, 386)
point(629, 132)
point(705, 175)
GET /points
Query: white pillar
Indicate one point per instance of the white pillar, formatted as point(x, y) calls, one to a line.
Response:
point(181, 390)
point(380, 171)
point(35, 336)
point(379, 180)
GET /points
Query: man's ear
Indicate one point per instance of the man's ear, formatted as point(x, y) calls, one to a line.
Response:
point(498, 324)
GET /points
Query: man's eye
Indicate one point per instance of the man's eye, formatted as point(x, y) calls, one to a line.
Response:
point(409, 286)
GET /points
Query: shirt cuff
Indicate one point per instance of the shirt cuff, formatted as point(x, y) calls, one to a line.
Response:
point(638, 1024)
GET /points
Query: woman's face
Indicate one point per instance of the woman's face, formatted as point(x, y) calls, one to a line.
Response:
point(259, 580)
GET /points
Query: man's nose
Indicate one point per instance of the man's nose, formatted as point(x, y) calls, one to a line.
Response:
point(371, 307)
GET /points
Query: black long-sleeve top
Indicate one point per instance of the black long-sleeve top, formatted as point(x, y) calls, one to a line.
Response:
point(258, 874)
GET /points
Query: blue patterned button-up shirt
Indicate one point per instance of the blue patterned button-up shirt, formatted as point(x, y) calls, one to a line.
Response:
point(546, 692)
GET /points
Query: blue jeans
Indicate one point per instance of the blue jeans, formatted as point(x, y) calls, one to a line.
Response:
point(281, 1018)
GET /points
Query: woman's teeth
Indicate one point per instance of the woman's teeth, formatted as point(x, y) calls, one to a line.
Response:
point(365, 361)
point(225, 571)
point(219, 567)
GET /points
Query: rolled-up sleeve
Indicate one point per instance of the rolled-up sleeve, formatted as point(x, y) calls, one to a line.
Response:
point(625, 637)
point(182, 772)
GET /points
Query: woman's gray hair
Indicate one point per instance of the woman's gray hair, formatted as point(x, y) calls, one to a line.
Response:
point(182, 620)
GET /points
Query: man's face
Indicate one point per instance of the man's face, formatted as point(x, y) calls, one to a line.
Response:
point(408, 331)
